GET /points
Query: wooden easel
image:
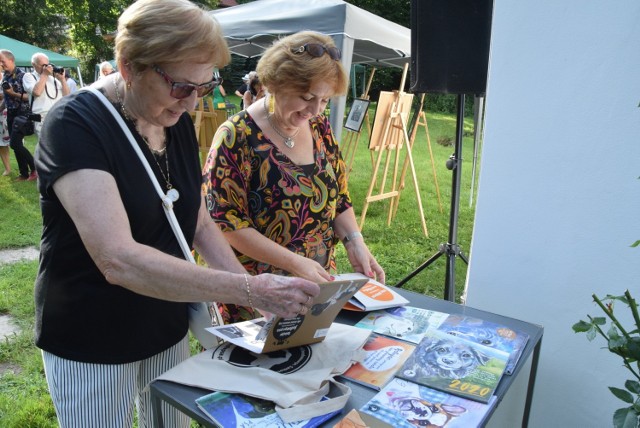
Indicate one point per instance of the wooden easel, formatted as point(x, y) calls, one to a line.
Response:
point(206, 121)
point(351, 137)
point(395, 121)
point(421, 120)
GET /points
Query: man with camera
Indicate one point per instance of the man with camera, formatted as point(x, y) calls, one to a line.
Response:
point(17, 103)
point(46, 85)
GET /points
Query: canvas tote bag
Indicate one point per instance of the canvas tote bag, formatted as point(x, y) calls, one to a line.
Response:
point(295, 379)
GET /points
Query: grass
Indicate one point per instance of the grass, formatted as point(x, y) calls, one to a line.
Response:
point(19, 210)
point(400, 248)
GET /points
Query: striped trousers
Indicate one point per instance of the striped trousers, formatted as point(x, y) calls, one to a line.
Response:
point(89, 395)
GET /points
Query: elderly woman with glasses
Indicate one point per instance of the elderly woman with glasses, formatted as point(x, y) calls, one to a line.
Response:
point(113, 286)
point(274, 179)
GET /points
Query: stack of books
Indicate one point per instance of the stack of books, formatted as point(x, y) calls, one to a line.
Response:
point(432, 368)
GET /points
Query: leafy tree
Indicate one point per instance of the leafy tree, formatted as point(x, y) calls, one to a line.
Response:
point(397, 11)
point(36, 22)
point(89, 22)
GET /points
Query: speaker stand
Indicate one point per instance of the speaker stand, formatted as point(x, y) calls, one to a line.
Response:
point(451, 249)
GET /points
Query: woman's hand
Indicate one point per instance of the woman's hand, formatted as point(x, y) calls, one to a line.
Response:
point(309, 269)
point(284, 296)
point(363, 261)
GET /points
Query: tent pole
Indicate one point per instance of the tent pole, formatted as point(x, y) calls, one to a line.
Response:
point(79, 76)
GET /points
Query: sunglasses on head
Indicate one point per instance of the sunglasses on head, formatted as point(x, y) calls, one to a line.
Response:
point(316, 50)
point(180, 90)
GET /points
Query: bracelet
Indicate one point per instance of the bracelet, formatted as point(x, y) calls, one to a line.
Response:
point(248, 288)
point(350, 237)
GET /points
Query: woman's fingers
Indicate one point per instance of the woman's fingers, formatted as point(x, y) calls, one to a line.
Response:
point(284, 296)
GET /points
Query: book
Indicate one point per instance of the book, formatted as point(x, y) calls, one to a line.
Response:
point(357, 419)
point(455, 365)
point(261, 335)
point(488, 334)
point(404, 404)
point(238, 410)
point(383, 356)
point(407, 323)
point(373, 295)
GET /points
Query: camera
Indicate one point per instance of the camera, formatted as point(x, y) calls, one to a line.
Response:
point(6, 85)
point(56, 70)
point(34, 117)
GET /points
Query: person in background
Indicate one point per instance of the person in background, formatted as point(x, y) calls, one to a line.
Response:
point(254, 93)
point(4, 141)
point(4, 137)
point(244, 87)
point(113, 286)
point(73, 85)
point(17, 103)
point(105, 69)
point(275, 180)
point(44, 86)
point(219, 98)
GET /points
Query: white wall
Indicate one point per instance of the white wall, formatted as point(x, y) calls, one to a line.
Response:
point(559, 197)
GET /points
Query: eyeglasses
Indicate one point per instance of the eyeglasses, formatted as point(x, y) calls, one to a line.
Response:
point(316, 50)
point(180, 90)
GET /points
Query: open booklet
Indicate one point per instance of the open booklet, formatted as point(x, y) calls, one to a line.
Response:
point(261, 335)
point(373, 296)
point(238, 410)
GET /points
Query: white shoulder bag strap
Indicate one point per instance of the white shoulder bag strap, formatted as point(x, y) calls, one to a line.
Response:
point(199, 315)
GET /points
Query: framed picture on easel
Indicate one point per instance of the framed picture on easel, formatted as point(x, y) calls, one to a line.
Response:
point(356, 114)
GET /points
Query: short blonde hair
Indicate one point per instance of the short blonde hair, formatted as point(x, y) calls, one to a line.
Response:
point(282, 69)
point(154, 32)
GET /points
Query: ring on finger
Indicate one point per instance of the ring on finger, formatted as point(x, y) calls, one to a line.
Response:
point(303, 309)
point(309, 299)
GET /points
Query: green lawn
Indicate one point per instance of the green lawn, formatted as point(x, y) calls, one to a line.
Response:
point(399, 247)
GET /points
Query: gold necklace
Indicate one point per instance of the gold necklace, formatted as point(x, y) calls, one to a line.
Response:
point(125, 113)
point(172, 193)
point(288, 140)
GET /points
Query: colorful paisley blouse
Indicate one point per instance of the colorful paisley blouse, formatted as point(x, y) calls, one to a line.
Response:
point(249, 182)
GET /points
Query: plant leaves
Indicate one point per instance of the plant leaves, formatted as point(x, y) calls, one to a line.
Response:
point(616, 342)
point(599, 320)
point(625, 418)
point(582, 326)
point(613, 333)
point(611, 297)
point(633, 346)
point(633, 386)
point(591, 334)
point(622, 394)
point(618, 345)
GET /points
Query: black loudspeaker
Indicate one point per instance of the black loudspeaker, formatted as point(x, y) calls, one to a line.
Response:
point(450, 45)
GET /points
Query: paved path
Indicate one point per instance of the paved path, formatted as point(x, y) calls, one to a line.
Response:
point(7, 327)
point(15, 255)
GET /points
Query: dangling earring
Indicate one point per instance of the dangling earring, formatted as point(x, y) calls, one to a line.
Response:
point(272, 104)
point(128, 84)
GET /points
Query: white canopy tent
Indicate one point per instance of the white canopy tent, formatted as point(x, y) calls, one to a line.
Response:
point(364, 38)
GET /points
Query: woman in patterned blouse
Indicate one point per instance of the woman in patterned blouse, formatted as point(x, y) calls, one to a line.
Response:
point(274, 179)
